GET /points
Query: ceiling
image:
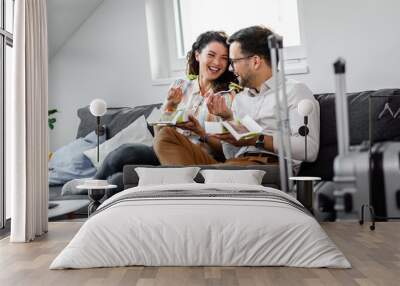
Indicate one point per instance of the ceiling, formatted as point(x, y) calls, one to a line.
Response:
point(64, 19)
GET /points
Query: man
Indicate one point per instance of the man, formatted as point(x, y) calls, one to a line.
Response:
point(251, 62)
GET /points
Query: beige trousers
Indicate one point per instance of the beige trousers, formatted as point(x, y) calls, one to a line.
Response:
point(173, 148)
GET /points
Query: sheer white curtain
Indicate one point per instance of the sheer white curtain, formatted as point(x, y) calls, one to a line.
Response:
point(28, 122)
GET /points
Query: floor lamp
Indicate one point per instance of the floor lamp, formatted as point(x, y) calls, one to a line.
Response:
point(98, 108)
point(304, 108)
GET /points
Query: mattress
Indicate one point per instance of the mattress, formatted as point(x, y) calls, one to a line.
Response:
point(201, 225)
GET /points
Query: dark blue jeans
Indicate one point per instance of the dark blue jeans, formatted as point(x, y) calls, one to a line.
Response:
point(126, 154)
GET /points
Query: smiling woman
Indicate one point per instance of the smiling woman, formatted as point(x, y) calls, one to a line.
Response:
point(207, 61)
point(208, 58)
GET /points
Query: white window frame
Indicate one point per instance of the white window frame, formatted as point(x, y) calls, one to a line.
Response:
point(295, 56)
point(6, 39)
point(177, 62)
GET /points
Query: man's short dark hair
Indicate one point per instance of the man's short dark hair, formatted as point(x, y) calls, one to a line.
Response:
point(253, 41)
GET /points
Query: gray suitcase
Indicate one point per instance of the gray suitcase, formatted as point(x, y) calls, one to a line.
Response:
point(385, 180)
point(365, 178)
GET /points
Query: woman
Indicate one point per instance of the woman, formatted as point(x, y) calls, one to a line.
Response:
point(207, 70)
point(207, 65)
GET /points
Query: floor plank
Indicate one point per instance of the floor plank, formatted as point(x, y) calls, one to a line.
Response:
point(375, 257)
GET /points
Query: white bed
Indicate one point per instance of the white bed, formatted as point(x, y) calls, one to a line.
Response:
point(264, 229)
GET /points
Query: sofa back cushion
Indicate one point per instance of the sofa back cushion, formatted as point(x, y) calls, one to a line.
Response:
point(385, 119)
point(384, 125)
point(115, 119)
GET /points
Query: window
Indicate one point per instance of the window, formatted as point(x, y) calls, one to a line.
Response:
point(6, 43)
point(183, 20)
point(280, 15)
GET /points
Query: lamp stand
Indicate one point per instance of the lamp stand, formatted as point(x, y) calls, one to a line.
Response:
point(98, 138)
point(303, 131)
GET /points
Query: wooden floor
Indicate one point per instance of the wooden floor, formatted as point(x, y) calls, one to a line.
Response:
point(375, 256)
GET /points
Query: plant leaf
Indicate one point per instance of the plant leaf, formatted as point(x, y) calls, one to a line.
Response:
point(52, 111)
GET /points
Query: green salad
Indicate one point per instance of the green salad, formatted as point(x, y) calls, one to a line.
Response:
point(235, 87)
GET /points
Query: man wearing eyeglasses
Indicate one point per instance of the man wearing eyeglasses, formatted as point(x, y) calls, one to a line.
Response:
point(251, 62)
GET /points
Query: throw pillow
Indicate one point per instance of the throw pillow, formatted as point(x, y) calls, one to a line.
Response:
point(69, 163)
point(136, 132)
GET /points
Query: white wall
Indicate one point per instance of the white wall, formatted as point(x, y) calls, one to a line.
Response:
point(65, 18)
point(364, 32)
point(108, 56)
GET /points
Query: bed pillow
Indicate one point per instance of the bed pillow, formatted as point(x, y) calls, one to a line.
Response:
point(166, 176)
point(136, 132)
point(248, 177)
point(69, 163)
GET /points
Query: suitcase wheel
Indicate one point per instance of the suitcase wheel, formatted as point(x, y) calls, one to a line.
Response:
point(361, 222)
point(348, 202)
point(372, 227)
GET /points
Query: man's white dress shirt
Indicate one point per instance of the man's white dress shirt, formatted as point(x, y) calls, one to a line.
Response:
point(261, 107)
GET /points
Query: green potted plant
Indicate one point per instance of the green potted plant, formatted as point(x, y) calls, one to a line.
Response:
point(52, 120)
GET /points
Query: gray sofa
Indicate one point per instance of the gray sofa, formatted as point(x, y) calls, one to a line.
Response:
point(115, 120)
point(365, 122)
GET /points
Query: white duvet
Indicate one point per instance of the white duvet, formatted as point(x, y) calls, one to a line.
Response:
point(200, 231)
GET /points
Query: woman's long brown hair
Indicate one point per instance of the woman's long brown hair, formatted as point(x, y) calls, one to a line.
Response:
point(221, 83)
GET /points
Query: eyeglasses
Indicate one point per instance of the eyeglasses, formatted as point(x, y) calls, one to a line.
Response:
point(232, 62)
